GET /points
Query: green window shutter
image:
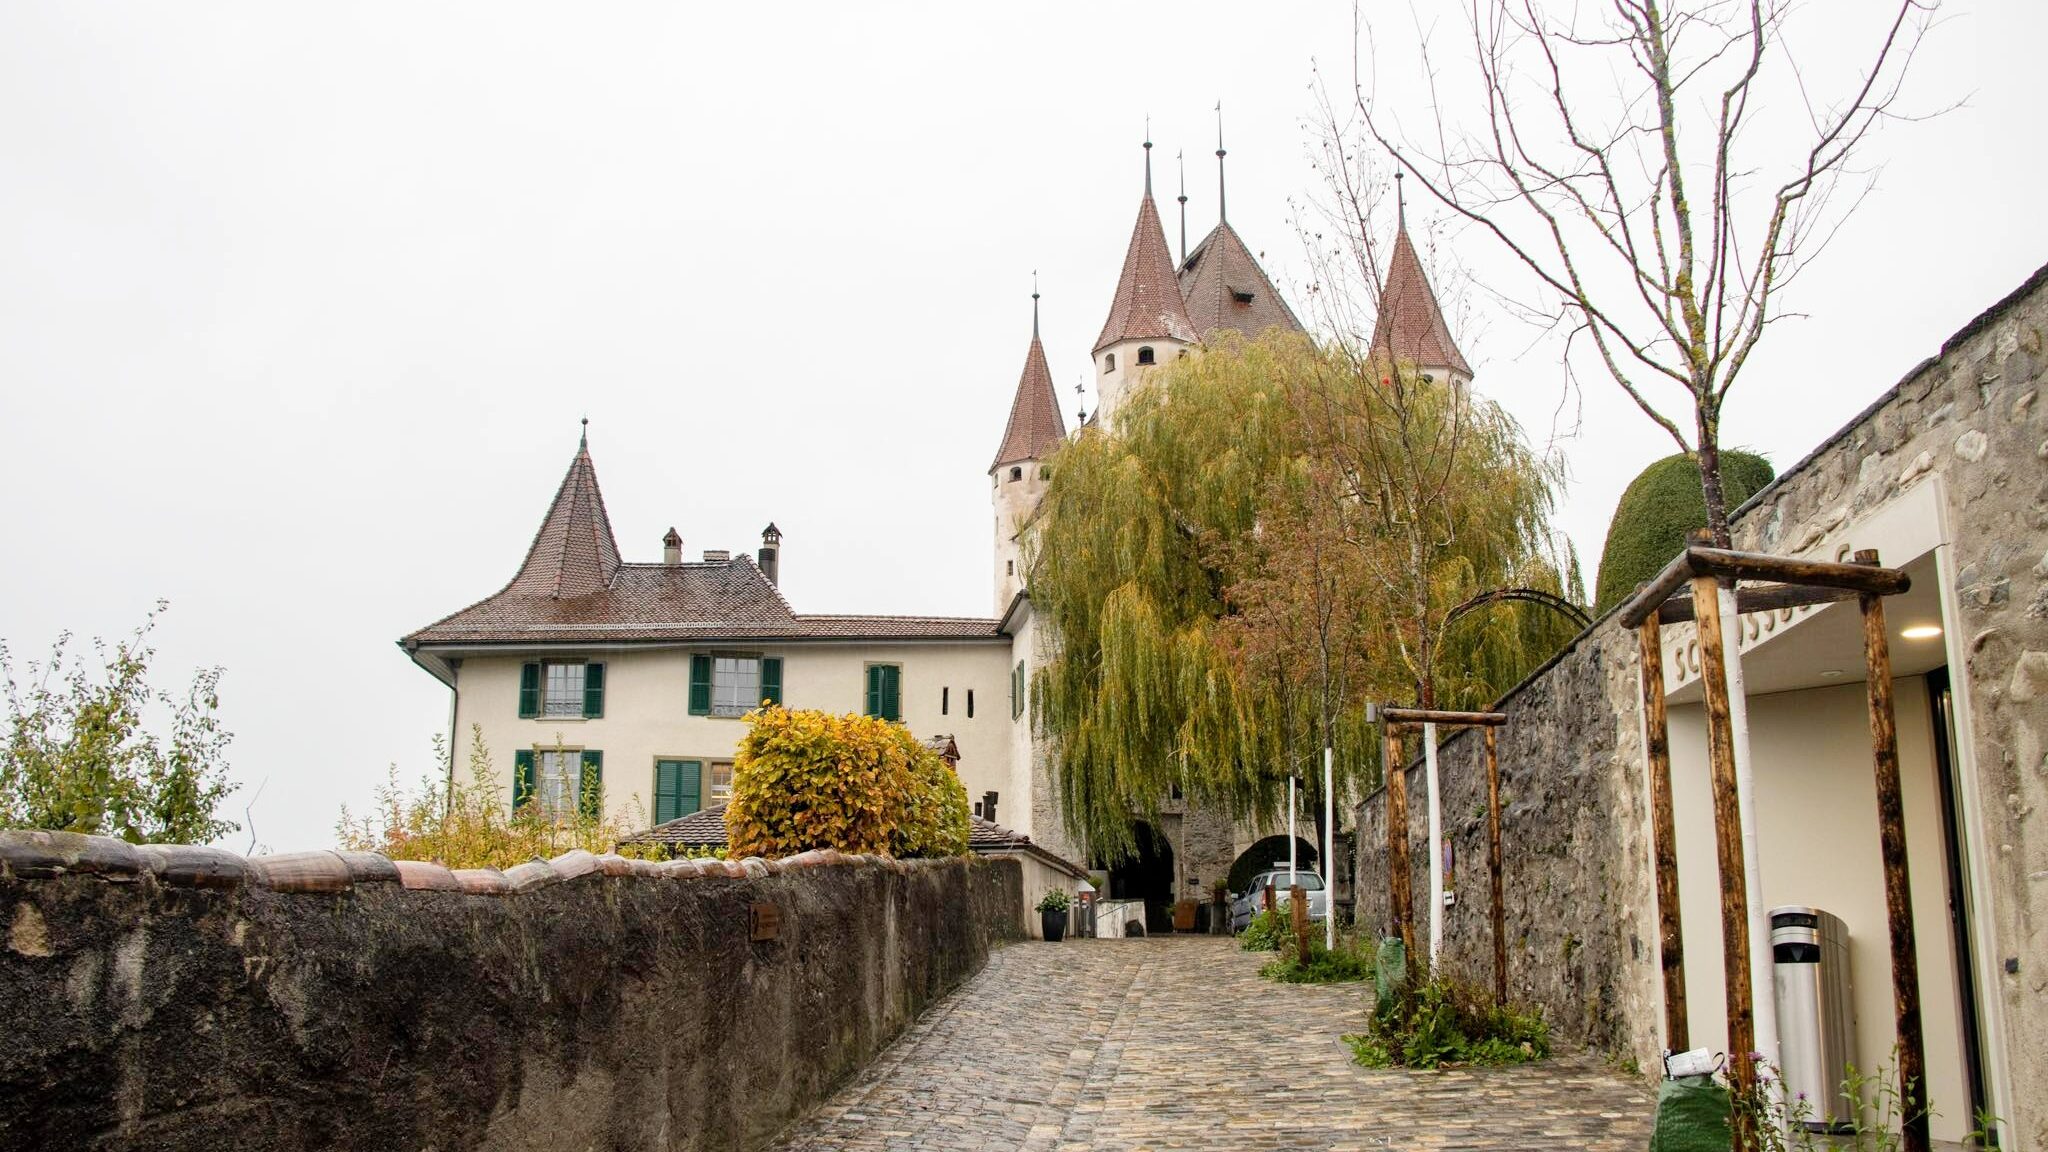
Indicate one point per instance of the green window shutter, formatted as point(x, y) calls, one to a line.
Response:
point(667, 783)
point(522, 776)
point(590, 788)
point(689, 786)
point(771, 679)
point(892, 684)
point(593, 690)
point(874, 704)
point(529, 691)
point(700, 685)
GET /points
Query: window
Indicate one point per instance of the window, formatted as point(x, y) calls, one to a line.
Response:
point(733, 683)
point(555, 784)
point(885, 691)
point(561, 689)
point(1016, 474)
point(1017, 690)
point(1009, 567)
point(1145, 356)
point(678, 788)
point(721, 783)
point(945, 700)
point(1109, 362)
point(970, 703)
point(563, 781)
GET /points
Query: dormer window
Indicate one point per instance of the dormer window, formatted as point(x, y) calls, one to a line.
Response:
point(1016, 474)
point(1109, 362)
point(1145, 356)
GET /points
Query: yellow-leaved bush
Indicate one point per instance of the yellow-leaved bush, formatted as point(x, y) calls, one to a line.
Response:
point(810, 779)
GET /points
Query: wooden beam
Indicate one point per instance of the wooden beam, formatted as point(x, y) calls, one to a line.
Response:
point(1400, 886)
point(1657, 591)
point(1664, 835)
point(1764, 598)
point(1731, 566)
point(1493, 869)
point(1898, 892)
point(1437, 716)
point(1735, 942)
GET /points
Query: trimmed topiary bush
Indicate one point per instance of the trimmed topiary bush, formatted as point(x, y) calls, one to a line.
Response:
point(1661, 507)
point(809, 779)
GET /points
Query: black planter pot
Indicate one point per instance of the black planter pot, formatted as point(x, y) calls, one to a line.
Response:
point(1054, 924)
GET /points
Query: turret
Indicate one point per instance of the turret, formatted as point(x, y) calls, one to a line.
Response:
point(1148, 322)
point(1410, 329)
point(1018, 477)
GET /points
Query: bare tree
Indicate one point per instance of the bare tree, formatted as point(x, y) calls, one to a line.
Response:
point(1613, 158)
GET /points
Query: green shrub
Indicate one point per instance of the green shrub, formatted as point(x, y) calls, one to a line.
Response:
point(1339, 965)
point(1055, 900)
point(1266, 932)
point(1659, 509)
point(1443, 1021)
point(809, 779)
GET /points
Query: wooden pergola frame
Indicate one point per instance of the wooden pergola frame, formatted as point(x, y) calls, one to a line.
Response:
point(1793, 583)
point(1400, 890)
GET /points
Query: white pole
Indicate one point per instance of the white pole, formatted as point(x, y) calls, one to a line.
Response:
point(1329, 857)
point(1436, 847)
point(1762, 982)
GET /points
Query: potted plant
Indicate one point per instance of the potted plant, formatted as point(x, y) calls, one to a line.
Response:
point(1052, 914)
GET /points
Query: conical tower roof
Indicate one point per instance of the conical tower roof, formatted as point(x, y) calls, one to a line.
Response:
point(1225, 289)
point(1036, 427)
point(573, 554)
point(1148, 304)
point(1411, 326)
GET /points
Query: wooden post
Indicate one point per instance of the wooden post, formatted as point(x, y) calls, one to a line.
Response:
point(1269, 896)
point(1400, 885)
point(1297, 907)
point(1735, 943)
point(1898, 895)
point(1500, 914)
point(1664, 835)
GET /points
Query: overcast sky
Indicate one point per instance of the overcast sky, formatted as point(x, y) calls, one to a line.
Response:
point(300, 305)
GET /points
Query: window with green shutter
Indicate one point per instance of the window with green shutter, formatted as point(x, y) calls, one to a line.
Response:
point(522, 776)
point(885, 691)
point(590, 786)
point(678, 786)
point(529, 691)
point(593, 690)
point(771, 679)
point(1017, 691)
point(700, 684)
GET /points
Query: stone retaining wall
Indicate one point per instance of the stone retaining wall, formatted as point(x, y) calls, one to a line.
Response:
point(173, 998)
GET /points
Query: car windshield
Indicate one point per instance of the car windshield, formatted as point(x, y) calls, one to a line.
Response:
point(1309, 881)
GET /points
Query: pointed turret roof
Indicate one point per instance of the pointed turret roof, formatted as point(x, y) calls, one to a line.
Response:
point(1035, 427)
point(1411, 326)
point(1225, 289)
point(1148, 304)
point(573, 554)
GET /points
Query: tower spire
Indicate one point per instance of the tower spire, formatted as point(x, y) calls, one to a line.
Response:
point(1400, 204)
point(583, 443)
point(1220, 213)
point(1034, 303)
point(1181, 158)
point(1148, 156)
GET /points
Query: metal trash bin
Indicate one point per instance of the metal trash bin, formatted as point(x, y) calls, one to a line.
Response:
point(1816, 1016)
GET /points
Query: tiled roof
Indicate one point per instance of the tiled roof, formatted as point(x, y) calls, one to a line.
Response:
point(1148, 304)
point(1225, 288)
point(573, 589)
point(705, 828)
point(1411, 326)
point(1036, 427)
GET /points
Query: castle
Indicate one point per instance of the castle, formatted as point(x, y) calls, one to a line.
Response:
point(622, 683)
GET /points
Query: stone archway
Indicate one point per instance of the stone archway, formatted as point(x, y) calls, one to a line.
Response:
point(1147, 874)
point(1264, 854)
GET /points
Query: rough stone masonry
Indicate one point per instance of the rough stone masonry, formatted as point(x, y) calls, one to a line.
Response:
point(187, 998)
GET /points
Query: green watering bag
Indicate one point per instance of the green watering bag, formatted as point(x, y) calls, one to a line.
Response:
point(1692, 1116)
point(1389, 970)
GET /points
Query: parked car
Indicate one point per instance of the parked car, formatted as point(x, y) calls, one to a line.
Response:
point(1253, 898)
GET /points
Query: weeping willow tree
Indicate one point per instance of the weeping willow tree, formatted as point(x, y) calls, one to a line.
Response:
point(1258, 546)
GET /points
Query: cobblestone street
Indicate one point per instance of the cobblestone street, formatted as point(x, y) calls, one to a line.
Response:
point(1094, 1046)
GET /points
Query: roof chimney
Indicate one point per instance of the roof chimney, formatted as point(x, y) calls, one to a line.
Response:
point(770, 557)
point(672, 548)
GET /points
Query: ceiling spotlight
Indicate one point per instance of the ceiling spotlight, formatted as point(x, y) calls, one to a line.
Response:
point(1922, 632)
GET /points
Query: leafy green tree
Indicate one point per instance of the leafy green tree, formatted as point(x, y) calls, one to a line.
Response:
point(80, 755)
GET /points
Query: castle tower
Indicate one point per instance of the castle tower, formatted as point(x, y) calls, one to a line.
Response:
point(1410, 329)
point(1221, 281)
point(1148, 320)
point(1018, 477)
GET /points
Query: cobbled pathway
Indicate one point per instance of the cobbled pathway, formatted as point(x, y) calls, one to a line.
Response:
point(1101, 1045)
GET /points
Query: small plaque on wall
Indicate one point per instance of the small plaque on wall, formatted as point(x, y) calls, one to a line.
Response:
point(764, 921)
